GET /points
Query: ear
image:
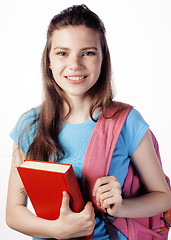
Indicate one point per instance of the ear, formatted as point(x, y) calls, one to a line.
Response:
point(50, 67)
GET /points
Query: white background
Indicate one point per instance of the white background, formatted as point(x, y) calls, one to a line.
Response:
point(139, 37)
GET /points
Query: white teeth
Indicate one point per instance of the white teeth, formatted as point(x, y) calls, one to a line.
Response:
point(75, 78)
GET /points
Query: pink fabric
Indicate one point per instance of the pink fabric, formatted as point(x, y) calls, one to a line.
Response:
point(100, 147)
point(146, 228)
point(96, 164)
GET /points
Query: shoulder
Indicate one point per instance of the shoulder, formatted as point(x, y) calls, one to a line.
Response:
point(25, 127)
point(27, 118)
point(31, 114)
point(133, 130)
point(134, 117)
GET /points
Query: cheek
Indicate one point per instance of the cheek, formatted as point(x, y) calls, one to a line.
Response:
point(96, 67)
point(56, 69)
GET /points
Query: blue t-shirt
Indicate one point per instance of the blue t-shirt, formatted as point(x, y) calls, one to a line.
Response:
point(74, 139)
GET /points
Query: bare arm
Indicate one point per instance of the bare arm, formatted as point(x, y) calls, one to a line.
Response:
point(158, 197)
point(21, 219)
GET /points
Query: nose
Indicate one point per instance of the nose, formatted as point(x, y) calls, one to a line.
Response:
point(75, 63)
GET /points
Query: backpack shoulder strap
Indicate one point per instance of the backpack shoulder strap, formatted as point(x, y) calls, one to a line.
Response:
point(101, 146)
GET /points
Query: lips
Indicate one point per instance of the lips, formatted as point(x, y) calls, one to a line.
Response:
point(76, 79)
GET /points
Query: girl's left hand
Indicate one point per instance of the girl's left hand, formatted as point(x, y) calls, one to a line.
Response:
point(108, 194)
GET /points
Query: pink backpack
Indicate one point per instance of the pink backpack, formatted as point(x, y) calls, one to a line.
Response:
point(96, 164)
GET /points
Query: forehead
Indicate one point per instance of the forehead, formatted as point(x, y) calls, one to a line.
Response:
point(79, 36)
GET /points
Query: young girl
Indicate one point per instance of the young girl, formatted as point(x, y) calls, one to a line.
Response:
point(77, 88)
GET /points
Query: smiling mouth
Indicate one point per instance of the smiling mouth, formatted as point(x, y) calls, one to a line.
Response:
point(75, 78)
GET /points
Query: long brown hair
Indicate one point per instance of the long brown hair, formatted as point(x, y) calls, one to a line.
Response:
point(45, 145)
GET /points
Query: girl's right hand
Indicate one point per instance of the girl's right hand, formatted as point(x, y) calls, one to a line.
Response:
point(73, 224)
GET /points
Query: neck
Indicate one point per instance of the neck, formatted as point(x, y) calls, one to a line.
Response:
point(80, 110)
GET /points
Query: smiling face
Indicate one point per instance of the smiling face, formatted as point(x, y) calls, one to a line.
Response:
point(75, 59)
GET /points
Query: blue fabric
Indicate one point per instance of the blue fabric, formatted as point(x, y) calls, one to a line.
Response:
point(74, 139)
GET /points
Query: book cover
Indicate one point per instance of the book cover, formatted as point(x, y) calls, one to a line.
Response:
point(45, 182)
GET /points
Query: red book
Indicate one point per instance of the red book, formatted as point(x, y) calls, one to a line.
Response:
point(45, 182)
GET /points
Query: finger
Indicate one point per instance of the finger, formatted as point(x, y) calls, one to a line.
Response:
point(89, 207)
point(102, 192)
point(106, 195)
point(103, 181)
point(112, 202)
point(108, 190)
point(111, 193)
point(65, 202)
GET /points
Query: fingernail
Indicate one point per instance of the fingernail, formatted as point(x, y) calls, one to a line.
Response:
point(64, 194)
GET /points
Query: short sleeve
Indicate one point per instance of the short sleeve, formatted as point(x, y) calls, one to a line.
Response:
point(133, 130)
point(24, 131)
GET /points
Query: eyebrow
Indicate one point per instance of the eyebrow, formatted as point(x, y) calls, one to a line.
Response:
point(82, 49)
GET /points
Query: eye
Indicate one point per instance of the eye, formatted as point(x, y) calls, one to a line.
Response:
point(61, 53)
point(89, 53)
